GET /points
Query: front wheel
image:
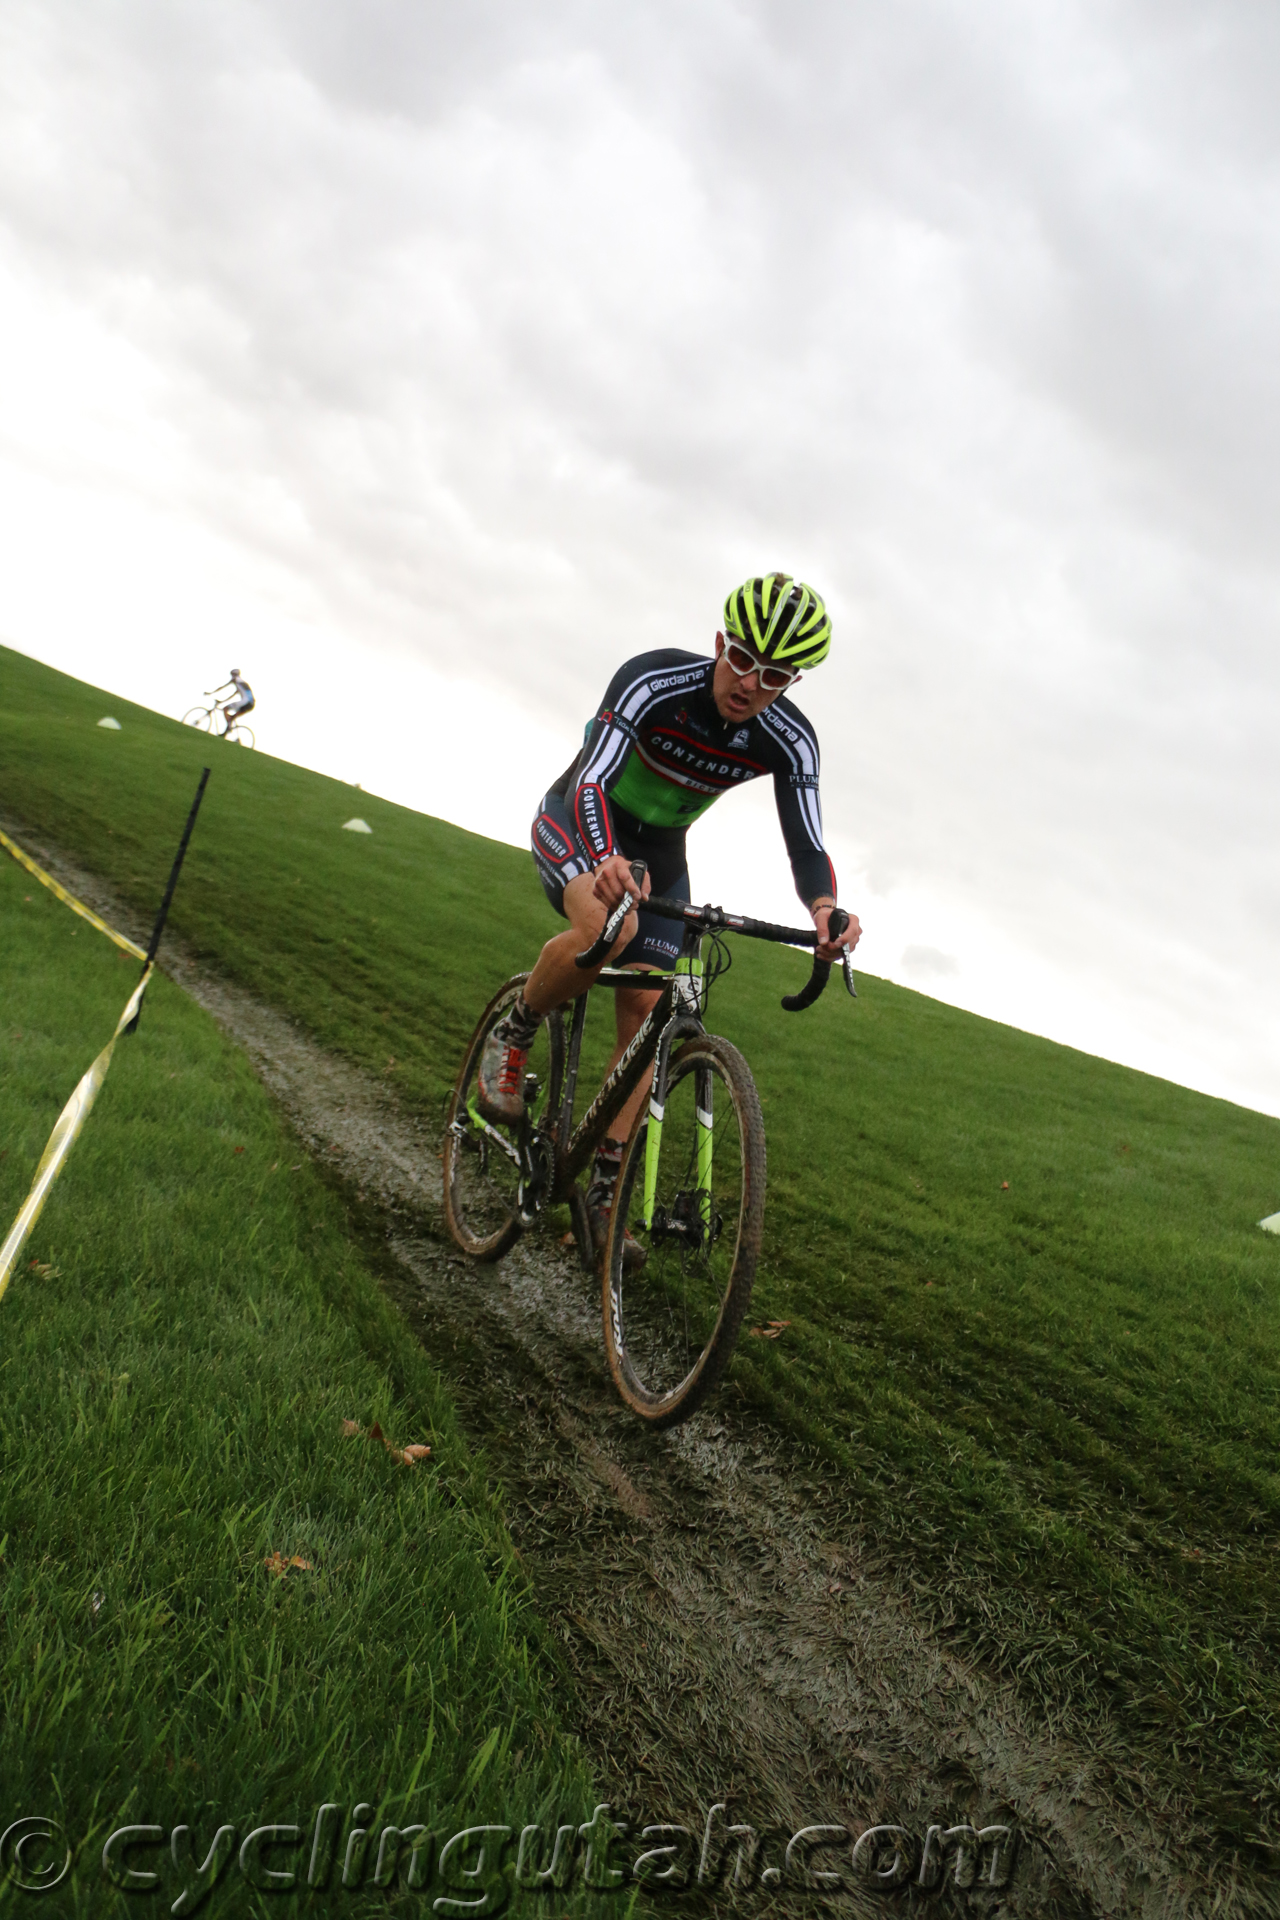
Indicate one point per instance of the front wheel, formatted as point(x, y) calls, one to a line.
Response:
point(201, 717)
point(691, 1189)
point(485, 1166)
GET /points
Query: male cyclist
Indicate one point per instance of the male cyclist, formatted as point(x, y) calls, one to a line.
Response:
point(241, 701)
point(673, 733)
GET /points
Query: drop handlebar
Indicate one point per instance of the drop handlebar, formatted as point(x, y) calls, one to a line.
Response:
point(711, 920)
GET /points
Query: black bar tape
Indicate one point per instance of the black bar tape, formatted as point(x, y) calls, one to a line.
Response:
point(613, 925)
point(714, 918)
point(837, 921)
point(816, 984)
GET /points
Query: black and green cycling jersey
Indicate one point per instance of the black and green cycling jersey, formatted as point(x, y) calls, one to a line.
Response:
point(658, 754)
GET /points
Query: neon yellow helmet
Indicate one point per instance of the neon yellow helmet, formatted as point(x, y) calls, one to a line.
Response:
point(779, 619)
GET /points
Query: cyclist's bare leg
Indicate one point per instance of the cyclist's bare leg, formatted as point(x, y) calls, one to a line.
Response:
point(634, 1004)
point(555, 979)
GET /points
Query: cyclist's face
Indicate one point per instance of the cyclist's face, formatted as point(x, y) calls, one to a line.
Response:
point(740, 698)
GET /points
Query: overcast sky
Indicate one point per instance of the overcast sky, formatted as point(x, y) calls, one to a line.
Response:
point(427, 360)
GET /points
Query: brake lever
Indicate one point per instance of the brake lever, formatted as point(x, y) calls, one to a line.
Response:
point(797, 1002)
point(613, 925)
point(599, 949)
point(836, 925)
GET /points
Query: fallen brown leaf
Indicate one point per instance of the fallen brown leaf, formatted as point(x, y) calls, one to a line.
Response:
point(237, 1149)
point(772, 1331)
point(277, 1563)
point(407, 1456)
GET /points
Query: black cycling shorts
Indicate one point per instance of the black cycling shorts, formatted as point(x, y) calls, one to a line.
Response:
point(558, 860)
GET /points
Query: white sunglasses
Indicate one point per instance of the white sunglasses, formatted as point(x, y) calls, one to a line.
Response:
point(743, 662)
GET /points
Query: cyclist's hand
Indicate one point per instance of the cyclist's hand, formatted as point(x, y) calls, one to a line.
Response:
point(614, 879)
point(831, 949)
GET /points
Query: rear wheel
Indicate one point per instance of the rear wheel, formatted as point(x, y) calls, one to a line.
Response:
point(483, 1176)
point(670, 1325)
point(242, 735)
point(201, 717)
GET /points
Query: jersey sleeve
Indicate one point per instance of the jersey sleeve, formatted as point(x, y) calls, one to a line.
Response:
point(795, 790)
point(610, 739)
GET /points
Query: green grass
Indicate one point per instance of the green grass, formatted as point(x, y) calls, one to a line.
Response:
point(1056, 1406)
point(1057, 1403)
point(175, 1371)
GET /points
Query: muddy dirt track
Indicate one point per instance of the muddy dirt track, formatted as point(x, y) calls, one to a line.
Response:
point(727, 1636)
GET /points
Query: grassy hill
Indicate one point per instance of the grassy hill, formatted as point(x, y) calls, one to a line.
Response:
point(219, 1603)
point(1055, 1401)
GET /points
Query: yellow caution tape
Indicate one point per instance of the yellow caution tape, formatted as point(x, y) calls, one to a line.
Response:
point(68, 899)
point(64, 1136)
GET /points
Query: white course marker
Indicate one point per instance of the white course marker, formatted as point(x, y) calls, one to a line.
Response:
point(113, 724)
point(356, 826)
point(1271, 1224)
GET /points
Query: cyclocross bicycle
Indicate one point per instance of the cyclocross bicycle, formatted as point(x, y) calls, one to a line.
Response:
point(691, 1186)
point(204, 717)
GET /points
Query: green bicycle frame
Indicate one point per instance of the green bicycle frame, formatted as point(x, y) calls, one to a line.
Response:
point(706, 1127)
point(688, 995)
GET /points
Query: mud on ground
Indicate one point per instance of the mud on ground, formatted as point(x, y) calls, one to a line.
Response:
point(727, 1634)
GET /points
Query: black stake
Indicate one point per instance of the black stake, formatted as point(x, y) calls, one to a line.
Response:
point(163, 914)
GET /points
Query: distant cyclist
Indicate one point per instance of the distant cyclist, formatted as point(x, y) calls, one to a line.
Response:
point(673, 732)
point(241, 701)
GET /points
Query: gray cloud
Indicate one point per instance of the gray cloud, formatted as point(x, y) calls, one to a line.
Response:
point(524, 332)
point(928, 963)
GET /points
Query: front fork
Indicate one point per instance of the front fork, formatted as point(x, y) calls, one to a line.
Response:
point(706, 1129)
point(687, 1007)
